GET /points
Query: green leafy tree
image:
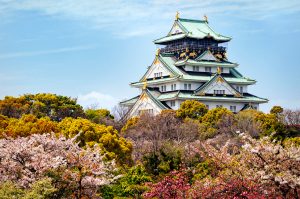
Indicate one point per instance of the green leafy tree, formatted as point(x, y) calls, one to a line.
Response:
point(210, 121)
point(56, 107)
point(213, 116)
point(131, 185)
point(9, 190)
point(98, 115)
point(276, 110)
point(191, 109)
point(271, 125)
point(42, 189)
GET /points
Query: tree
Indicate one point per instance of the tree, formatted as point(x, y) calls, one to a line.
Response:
point(214, 119)
point(99, 116)
point(291, 117)
point(56, 107)
point(191, 109)
point(26, 125)
point(271, 124)
point(132, 184)
point(276, 110)
point(89, 133)
point(129, 124)
point(174, 185)
point(213, 116)
point(76, 172)
point(247, 123)
point(261, 168)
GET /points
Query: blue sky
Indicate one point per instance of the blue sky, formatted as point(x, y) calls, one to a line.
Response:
point(93, 49)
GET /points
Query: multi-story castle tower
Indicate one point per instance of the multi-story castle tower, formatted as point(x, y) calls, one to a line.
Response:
point(192, 65)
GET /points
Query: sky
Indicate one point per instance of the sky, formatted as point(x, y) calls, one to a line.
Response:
point(92, 49)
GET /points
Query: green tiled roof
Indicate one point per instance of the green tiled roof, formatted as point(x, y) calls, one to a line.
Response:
point(169, 63)
point(190, 96)
point(195, 78)
point(130, 101)
point(205, 63)
point(155, 100)
point(170, 38)
point(201, 88)
point(198, 29)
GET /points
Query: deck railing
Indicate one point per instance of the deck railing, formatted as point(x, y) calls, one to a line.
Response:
point(191, 47)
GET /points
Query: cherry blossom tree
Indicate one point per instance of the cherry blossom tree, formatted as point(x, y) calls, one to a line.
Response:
point(261, 168)
point(26, 160)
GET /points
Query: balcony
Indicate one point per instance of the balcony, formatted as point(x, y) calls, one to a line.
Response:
point(192, 47)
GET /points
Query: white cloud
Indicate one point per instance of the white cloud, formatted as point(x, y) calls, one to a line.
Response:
point(97, 99)
point(44, 52)
point(134, 17)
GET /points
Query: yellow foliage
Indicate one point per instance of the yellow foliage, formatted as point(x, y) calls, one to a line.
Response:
point(26, 125)
point(129, 124)
point(213, 116)
point(90, 133)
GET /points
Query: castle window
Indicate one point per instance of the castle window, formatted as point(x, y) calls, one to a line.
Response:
point(233, 108)
point(219, 106)
point(196, 68)
point(219, 92)
point(208, 69)
point(163, 88)
point(240, 89)
point(159, 74)
point(187, 86)
point(173, 87)
point(172, 103)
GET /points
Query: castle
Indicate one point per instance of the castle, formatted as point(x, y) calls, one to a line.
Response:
point(192, 64)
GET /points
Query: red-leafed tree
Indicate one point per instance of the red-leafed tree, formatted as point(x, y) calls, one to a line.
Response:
point(175, 185)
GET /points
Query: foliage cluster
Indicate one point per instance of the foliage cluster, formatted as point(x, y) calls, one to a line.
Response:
point(189, 153)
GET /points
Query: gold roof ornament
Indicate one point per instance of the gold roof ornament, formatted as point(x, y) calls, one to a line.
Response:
point(205, 18)
point(219, 70)
point(177, 16)
point(145, 85)
point(157, 52)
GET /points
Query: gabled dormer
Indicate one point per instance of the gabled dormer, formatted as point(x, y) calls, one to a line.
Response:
point(158, 69)
point(176, 29)
point(147, 103)
point(217, 86)
point(206, 56)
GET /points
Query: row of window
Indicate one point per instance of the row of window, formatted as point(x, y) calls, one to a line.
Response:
point(159, 74)
point(207, 69)
point(148, 111)
point(219, 92)
point(187, 86)
point(173, 104)
point(163, 88)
